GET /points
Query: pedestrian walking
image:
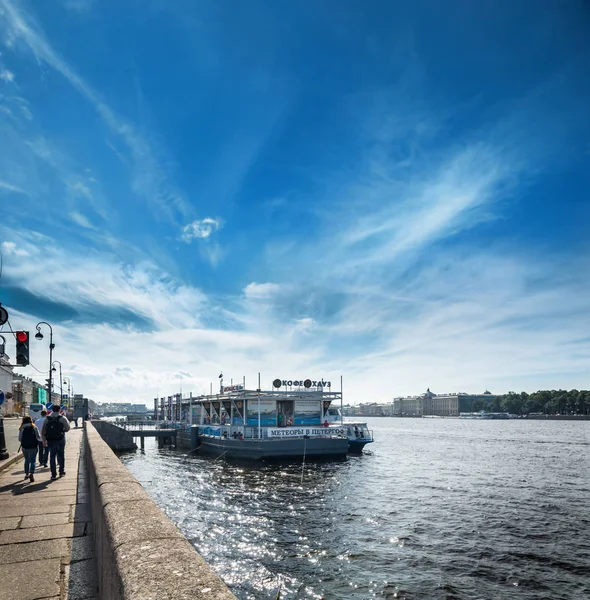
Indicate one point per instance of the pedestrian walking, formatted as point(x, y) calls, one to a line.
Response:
point(29, 437)
point(53, 433)
point(43, 451)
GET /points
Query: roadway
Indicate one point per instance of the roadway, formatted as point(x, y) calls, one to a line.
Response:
point(11, 434)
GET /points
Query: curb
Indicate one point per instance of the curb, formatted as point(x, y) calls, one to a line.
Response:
point(9, 462)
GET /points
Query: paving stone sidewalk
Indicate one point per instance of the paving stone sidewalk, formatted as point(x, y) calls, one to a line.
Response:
point(46, 543)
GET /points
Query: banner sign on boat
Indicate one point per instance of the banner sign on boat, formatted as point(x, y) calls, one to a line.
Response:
point(309, 431)
point(232, 388)
point(307, 383)
point(307, 412)
point(268, 413)
point(216, 431)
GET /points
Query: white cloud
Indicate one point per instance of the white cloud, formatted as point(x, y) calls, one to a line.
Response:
point(200, 229)
point(10, 248)
point(465, 322)
point(7, 76)
point(89, 278)
point(81, 220)
point(384, 304)
point(80, 189)
point(414, 213)
point(305, 324)
point(261, 290)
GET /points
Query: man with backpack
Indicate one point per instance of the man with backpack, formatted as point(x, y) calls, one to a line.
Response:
point(53, 433)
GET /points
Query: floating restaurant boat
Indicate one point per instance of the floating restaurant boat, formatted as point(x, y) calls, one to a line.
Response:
point(271, 424)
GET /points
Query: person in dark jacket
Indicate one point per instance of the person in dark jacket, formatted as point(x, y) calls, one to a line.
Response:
point(29, 437)
point(43, 451)
point(53, 433)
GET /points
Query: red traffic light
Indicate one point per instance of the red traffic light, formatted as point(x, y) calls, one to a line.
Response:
point(22, 336)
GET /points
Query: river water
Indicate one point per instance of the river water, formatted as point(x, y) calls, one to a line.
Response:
point(434, 509)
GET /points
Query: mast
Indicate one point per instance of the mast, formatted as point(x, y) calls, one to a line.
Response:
point(341, 403)
point(259, 430)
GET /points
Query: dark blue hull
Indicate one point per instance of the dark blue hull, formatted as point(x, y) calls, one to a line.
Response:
point(356, 446)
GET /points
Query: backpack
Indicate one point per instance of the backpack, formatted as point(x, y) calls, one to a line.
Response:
point(54, 429)
point(29, 438)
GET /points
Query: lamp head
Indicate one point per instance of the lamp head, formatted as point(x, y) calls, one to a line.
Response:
point(38, 336)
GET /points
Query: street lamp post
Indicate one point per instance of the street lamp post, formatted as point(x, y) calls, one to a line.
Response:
point(69, 386)
point(39, 336)
point(61, 381)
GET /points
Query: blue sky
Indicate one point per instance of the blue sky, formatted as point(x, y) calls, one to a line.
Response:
point(394, 192)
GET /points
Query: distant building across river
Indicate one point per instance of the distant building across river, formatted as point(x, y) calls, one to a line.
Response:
point(441, 405)
point(427, 404)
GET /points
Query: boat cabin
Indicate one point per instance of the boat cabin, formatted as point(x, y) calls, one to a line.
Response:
point(250, 413)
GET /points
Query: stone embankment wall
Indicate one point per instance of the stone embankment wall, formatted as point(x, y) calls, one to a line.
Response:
point(140, 553)
point(116, 437)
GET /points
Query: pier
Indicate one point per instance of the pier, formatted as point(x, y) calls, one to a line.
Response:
point(165, 432)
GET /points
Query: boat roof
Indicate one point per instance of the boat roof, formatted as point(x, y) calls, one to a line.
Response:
point(278, 395)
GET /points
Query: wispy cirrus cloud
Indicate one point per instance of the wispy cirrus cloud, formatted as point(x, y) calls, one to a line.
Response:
point(81, 220)
point(149, 179)
point(500, 317)
point(92, 280)
point(430, 207)
point(106, 296)
point(394, 249)
point(9, 187)
point(81, 191)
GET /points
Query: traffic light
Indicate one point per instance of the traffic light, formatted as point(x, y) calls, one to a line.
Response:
point(22, 348)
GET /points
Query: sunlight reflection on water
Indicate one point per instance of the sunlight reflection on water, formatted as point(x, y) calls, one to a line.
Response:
point(437, 509)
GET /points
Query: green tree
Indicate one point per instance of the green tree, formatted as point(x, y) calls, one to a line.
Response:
point(546, 401)
point(532, 405)
point(551, 407)
point(478, 405)
point(511, 403)
point(572, 402)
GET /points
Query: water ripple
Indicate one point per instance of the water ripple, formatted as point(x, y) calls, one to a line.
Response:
point(437, 510)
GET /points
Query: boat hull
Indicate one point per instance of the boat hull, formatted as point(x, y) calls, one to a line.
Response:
point(356, 446)
point(266, 449)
